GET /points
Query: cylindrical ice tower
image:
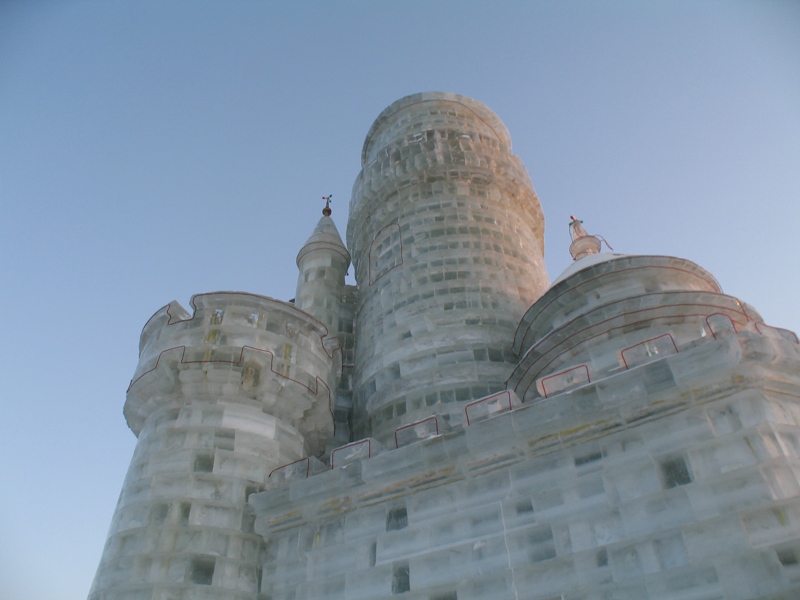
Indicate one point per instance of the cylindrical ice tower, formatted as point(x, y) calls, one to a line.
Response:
point(219, 399)
point(446, 234)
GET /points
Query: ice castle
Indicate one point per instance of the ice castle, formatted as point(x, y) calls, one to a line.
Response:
point(455, 426)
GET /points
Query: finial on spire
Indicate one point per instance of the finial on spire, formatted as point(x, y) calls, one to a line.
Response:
point(583, 243)
point(327, 210)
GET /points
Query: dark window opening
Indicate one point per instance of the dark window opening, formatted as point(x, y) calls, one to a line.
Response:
point(201, 570)
point(602, 557)
point(186, 508)
point(787, 557)
point(524, 506)
point(397, 519)
point(401, 580)
point(158, 513)
point(675, 472)
point(582, 460)
point(204, 463)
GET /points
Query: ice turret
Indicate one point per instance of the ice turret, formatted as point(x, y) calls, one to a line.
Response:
point(323, 262)
point(220, 398)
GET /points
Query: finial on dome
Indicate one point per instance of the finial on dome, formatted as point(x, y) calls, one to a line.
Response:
point(583, 243)
point(327, 210)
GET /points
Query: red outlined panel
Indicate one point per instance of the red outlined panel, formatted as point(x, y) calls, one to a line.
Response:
point(358, 450)
point(657, 347)
point(429, 426)
point(718, 323)
point(488, 407)
point(295, 468)
point(564, 380)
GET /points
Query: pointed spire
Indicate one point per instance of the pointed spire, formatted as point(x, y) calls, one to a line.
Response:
point(325, 236)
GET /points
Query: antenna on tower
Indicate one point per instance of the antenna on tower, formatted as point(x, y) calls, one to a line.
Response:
point(327, 210)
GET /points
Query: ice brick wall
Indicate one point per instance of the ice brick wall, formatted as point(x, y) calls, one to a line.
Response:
point(220, 398)
point(446, 236)
point(690, 490)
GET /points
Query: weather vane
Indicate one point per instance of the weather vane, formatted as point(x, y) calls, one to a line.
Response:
point(327, 210)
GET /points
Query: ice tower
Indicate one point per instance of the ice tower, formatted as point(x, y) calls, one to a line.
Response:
point(446, 234)
point(220, 398)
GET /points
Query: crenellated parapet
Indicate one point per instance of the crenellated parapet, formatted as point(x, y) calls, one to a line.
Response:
point(244, 348)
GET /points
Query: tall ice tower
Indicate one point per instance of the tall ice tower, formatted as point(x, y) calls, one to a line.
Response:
point(446, 234)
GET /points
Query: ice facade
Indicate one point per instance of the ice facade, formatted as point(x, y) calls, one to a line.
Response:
point(455, 427)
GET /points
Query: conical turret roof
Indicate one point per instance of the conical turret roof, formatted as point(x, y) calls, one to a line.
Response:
point(324, 237)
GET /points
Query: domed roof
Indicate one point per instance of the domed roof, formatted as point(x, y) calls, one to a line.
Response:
point(584, 263)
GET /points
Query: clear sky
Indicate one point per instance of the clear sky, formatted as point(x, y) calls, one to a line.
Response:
point(153, 150)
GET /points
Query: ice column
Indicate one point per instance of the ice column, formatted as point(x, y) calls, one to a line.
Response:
point(446, 234)
point(219, 399)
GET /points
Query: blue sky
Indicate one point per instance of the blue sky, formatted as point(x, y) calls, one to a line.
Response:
point(153, 150)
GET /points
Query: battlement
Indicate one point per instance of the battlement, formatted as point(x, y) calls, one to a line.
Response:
point(240, 348)
point(241, 304)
